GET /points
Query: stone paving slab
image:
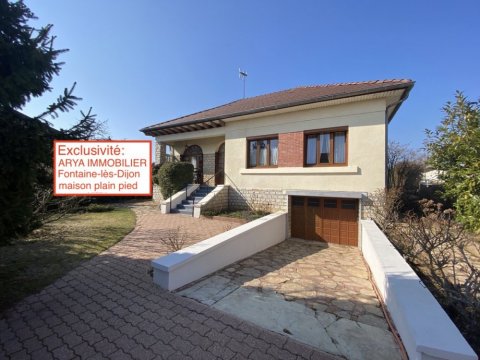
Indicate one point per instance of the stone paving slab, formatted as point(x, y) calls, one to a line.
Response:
point(324, 331)
point(324, 277)
point(317, 293)
point(109, 308)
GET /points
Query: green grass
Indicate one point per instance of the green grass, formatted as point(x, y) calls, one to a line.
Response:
point(30, 264)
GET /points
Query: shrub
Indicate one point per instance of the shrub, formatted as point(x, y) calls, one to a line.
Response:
point(404, 172)
point(49, 208)
point(210, 213)
point(173, 239)
point(442, 253)
point(385, 208)
point(173, 177)
point(248, 215)
point(155, 170)
point(97, 208)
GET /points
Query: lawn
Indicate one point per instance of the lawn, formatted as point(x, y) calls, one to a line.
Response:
point(32, 263)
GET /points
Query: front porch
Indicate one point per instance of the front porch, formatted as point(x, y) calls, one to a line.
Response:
point(207, 155)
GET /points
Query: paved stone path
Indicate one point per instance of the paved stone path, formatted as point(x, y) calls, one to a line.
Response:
point(328, 278)
point(108, 308)
point(316, 293)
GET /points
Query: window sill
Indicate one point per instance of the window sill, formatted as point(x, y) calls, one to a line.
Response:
point(326, 170)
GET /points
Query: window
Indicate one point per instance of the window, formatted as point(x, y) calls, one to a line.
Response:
point(349, 204)
point(263, 152)
point(330, 203)
point(326, 148)
point(313, 202)
point(298, 201)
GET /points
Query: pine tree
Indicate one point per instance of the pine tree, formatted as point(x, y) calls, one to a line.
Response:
point(28, 60)
point(28, 63)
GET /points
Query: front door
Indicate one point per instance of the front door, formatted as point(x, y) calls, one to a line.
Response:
point(194, 155)
point(220, 165)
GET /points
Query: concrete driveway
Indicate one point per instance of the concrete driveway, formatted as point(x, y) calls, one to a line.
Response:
point(315, 293)
point(109, 308)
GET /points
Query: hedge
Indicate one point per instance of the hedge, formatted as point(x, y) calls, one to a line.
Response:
point(174, 176)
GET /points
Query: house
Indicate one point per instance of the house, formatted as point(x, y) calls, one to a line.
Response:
point(314, 151)
point(431, 178)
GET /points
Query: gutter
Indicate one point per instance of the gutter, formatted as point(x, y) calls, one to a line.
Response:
point(387, 122)
point(397, 104)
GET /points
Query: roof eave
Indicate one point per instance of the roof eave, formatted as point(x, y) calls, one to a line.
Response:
point(406, 86)
point(404, 97)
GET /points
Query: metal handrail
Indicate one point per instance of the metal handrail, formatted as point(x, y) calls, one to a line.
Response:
point(193, 203)
point(204, 182)
point(186, 191)
point(170, 197)
point(211, 177)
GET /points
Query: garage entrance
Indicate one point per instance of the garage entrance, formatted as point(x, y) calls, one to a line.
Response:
point(333, 220)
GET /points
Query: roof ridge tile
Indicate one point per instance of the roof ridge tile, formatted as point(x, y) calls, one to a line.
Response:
point(354, 83)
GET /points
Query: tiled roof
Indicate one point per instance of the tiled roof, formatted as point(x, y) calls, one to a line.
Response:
point(286, 98)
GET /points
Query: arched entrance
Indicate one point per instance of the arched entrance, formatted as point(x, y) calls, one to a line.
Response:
point(194, 155)
point(220, 165)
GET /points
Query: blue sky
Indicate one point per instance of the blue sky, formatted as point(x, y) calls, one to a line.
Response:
point(142, 62)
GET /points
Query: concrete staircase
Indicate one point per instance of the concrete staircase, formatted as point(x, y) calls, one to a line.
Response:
point(186, 207)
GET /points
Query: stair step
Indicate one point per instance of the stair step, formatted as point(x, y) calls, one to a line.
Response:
point(198, 193)
point(205, 189)
point(181, 211)
point(184, 206)
point(184, 211)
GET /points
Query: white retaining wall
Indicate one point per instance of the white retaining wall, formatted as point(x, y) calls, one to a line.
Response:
point(177, 198)
point(194, 262)
point(426, 330)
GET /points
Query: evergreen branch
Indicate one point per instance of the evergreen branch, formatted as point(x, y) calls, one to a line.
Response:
point(86, 128)
point(64, 103)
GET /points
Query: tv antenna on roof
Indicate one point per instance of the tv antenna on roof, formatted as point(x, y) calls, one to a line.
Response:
point(242, 75)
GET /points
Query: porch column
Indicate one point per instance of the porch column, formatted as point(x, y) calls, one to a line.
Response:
point(160, 152)
point(209, 168)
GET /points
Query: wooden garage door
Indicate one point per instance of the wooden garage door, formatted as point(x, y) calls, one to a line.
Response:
point(298, 217)
point(331, 220)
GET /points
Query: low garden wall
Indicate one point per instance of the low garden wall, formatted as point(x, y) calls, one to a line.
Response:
point(257, 199)
point(426, 330)
point(176, 199)
point(196, 261)
point(157, 194)
point(216, 200)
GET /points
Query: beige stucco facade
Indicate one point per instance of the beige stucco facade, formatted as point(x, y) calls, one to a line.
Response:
point(367, 136)
point(209, 145)
point(366, 149)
